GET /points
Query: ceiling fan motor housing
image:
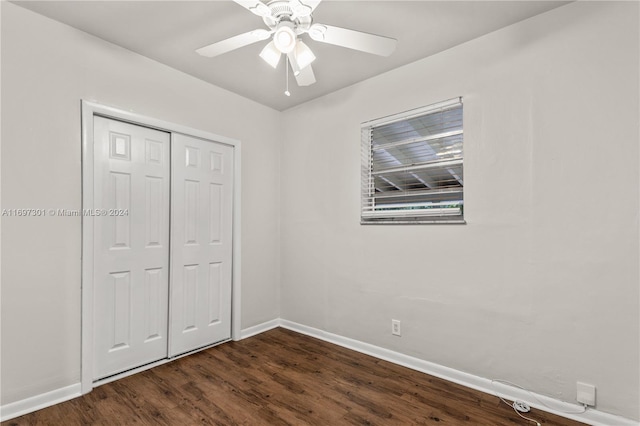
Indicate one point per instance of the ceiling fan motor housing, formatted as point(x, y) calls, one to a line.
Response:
point(285, 11)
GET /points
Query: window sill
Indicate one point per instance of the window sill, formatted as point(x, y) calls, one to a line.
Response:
point(415, 222)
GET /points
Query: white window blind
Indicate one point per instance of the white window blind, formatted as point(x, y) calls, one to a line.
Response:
point(412, 166)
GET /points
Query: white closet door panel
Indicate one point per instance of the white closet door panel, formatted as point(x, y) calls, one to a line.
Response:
point(201, 252)
point(131, 251)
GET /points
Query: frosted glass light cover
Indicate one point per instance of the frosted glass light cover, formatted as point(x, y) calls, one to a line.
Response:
point(304, 55)
point(271, 54)
point(285, 39)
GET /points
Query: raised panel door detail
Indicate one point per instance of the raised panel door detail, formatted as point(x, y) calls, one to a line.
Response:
point(215, 213)
point(215, 298)
point(191, 195)
point(120, 146)
point(216, 162)
point(121, 186)
point(154, 222)
point(120, 301)
point(154, 306)
point(192, 157)
point(190, 297)
point(153, 152)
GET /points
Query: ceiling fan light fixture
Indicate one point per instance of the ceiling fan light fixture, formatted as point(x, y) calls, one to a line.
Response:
point(285, 38)
point(304, 55)
point(286, 21)
point(271, 54)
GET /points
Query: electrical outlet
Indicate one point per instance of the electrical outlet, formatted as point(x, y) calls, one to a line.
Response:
point(395, 327)
point(586, 393)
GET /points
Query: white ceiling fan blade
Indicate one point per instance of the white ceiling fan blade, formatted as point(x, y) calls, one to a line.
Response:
point(255, 6)
point(304, 7)
point(357, 40)
point(306, 77)
point(233, 43)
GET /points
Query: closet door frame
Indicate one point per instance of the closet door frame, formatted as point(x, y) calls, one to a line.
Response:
point(89, 111)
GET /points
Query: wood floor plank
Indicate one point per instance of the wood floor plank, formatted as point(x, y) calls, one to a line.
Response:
point(282, 378)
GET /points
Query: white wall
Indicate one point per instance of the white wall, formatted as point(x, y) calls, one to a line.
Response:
point(541, 286)
point(47, 68)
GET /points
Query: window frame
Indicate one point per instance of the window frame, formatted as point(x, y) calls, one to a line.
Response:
point(369, 212)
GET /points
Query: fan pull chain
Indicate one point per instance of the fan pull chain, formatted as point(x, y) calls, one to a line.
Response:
point(286, 73)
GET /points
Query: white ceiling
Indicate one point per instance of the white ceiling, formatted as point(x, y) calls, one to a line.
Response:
point(170, 31)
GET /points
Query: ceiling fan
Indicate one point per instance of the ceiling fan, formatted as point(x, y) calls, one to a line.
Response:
point(287, 20)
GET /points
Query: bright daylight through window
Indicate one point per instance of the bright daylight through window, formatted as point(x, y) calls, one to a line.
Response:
point(412, 166)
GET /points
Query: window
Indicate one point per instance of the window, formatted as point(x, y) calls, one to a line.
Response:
point(412, 166)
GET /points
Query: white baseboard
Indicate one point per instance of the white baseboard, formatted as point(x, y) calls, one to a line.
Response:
point(38, 402)
point(591, 416)
point(260, 328)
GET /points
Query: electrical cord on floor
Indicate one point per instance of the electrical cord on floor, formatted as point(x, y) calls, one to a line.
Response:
point(513, 405)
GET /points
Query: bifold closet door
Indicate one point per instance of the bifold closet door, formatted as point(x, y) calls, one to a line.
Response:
point(201, 246)
point(131, 246)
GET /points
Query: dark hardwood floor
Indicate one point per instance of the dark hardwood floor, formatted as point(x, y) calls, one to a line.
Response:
point(282, 378)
